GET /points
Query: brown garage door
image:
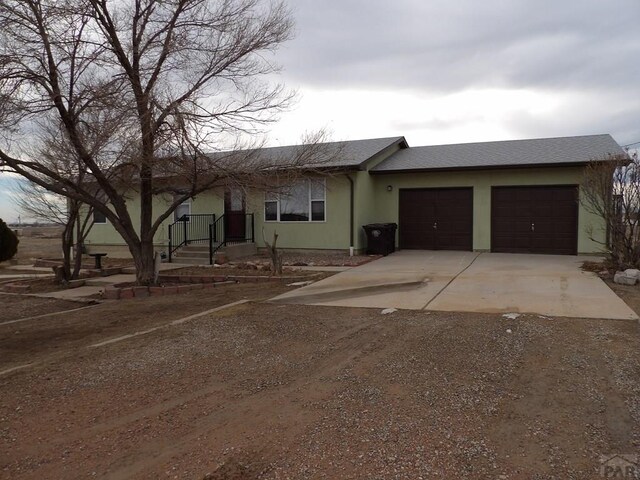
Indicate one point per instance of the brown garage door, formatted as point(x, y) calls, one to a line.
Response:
point(535, 219)
point(436, 219)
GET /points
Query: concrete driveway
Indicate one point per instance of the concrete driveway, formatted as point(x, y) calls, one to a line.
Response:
point(469, 282)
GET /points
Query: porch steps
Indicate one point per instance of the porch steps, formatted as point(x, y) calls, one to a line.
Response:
point(199, 254)
point(192, 254)
point(192, 260)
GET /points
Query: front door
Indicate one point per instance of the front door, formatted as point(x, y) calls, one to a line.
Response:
point(234, 215)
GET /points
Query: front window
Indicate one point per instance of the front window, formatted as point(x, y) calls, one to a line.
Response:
point(271, 207)
point(294, 203)
point(303, 201)
point(317, 200)
point(99, 217)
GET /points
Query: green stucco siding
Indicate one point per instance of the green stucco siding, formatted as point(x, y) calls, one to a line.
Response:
point(332, 234)
point(105, 234)
point(365, 210)
point(373, 204)
point(208, 202)
point(364, 197)
point(591, 229)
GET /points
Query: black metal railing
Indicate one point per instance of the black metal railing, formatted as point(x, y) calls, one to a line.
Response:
point(190, 229)
point(230, 229)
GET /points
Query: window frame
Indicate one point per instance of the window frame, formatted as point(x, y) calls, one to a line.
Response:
point(187, 202)
point(310, 199)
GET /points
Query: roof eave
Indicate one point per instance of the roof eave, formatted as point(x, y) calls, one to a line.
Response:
point(478, 167)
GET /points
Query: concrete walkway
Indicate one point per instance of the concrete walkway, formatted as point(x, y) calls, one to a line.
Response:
point(163, 267)
point(79, 293)
point(110, 280)
point(95, 285)
point(91, 287)
point(469, 282)
point(30, 268)
point(24, 271)
point(19, 276)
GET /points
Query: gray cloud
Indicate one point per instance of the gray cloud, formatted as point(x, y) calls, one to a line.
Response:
point(571, 50)
point(8, 211)
point(451, 45)
point(622, 124)
point(440, 46)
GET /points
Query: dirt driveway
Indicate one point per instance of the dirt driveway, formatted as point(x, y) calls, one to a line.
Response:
point(276, 391)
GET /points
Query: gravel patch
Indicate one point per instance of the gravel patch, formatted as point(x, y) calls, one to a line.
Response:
point(16, 306)
point(272, 391)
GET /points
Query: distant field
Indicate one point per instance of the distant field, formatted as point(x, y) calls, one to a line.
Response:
point(48, 231)
point(37, 242)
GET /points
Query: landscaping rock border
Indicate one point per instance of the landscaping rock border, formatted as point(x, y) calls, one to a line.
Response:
point(114, 292)
point(206, 279)
point(628, 277)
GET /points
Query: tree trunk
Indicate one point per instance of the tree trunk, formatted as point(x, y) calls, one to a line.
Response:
point(77, 261)
point(143, 259)
point(77, 249)
point(67, 243)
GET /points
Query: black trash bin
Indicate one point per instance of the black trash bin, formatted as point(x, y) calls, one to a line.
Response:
point(381, 238)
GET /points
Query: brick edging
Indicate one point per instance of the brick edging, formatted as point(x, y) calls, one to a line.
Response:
point(113, 292)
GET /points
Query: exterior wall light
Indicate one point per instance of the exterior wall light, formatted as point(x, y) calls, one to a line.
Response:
point(389, 188)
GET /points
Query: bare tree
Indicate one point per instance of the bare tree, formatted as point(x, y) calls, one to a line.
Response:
point(142, 91)
point(40, 204)
point(610, 189)
point(58, 156)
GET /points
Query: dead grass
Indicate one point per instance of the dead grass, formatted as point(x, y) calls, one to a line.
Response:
point(243, 272)
point(31, 248)
point(595, 267)
point(319, 259)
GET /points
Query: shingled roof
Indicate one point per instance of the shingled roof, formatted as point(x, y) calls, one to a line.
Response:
point(346, 154)
point(511, 153)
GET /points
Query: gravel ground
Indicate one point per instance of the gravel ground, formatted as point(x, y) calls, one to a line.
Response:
point(50, 338)
point(275, 391)
point(14, 307)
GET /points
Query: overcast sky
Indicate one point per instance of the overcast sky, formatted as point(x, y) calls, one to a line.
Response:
point(442, 71)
